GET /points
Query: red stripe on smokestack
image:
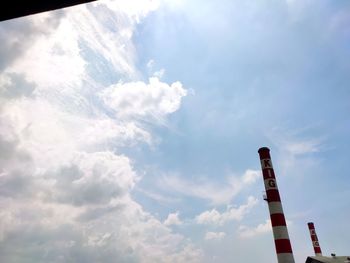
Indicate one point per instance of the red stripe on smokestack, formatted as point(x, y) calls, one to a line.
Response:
point(283, 246)
point(314, 239)
point(278, 220)
point(273, 195)
point(280, 232)
point(318, 251)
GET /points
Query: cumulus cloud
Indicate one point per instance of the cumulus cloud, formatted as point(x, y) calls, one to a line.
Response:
point(214, 217)
point(14, 86)
point(248, 232)
point(93, 178)
point(51, 232)
point(18, 35)
point(173, 219)
point(250, 176)
point(64, 183)
point(214, 235)
point(140, 100)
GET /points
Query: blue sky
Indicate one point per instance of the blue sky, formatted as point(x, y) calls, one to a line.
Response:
point(145, 119)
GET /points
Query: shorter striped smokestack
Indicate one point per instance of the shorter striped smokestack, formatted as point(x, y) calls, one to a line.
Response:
point(279, 226)
point(314, 239)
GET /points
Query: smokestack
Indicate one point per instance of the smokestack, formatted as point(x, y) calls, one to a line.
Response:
point(314, 239)
point(279, 227)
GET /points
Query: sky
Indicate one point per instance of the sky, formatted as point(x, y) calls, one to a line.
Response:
point(129, 130)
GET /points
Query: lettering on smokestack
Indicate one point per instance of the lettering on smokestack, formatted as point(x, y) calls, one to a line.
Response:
point(279, 226)
point(314, 239)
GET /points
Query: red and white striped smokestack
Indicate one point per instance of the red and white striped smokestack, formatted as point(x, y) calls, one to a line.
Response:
point(279, 226)
point(314, 239)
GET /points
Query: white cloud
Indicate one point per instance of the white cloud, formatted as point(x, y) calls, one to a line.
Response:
point(216, 194)
point(57, 233)
point(53, 60)
point(206, 190)
point(214, 217)
point(150, 64)
point(73, 42)
point(141, 100)
point(298, 152)
point(294, 143)
point(248, 232)
point(173, 219)
point(18, 36)
point(250, 176)
point(157, 197)
point(64, 185)
point(135, 9)
point(303, 147)
point(93, 178)
point(214, 235)
point(105, 130)
point(159, 74)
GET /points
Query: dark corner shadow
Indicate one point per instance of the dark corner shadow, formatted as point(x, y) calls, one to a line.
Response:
point(18, 8)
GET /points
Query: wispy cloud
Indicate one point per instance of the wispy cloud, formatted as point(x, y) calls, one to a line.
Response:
point(297, 148)
point(296, 142)
point(215, 193)
point(214, 235)
point(163, 199)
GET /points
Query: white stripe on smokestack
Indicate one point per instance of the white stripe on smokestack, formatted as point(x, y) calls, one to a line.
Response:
point(275, 208)
point(314, 239)
point(279, 227)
